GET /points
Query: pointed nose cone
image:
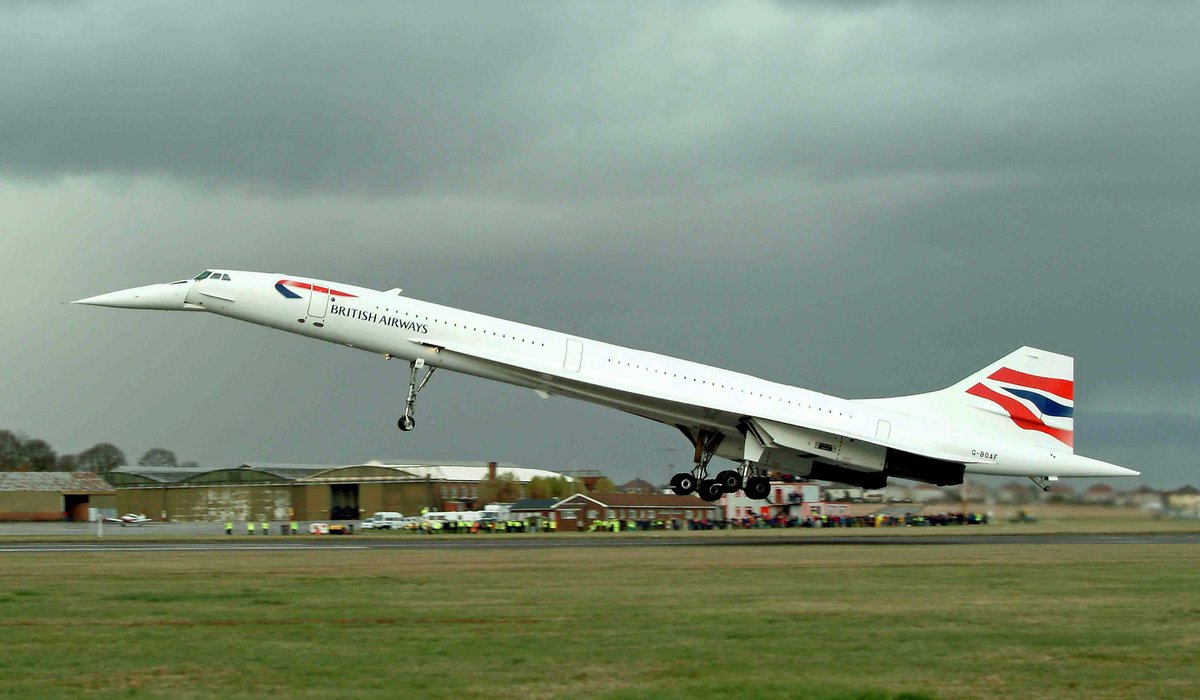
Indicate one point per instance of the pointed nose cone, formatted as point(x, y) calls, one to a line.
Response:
point(164, 297)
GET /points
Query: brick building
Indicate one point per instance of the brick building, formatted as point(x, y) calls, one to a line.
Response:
point(578, 512)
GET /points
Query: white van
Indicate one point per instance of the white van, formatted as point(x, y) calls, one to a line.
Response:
point(383, 520)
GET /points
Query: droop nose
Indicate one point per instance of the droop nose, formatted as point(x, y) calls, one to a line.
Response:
point(162, 297)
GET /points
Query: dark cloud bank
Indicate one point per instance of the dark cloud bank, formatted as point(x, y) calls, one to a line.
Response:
point(866, 200)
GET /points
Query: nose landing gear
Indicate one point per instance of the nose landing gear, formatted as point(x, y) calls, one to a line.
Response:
point(407, 422)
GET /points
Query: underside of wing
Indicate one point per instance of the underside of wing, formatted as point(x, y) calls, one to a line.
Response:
point(773, 444)
point(833, 457)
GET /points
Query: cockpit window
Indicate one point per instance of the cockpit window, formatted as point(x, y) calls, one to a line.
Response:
point(225, 277)
point(202, 275)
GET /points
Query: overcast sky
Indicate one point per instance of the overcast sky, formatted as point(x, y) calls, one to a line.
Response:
point(865, 199)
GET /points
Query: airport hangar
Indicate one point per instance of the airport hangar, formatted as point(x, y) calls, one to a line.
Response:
point(256, 491)
point(53, 496)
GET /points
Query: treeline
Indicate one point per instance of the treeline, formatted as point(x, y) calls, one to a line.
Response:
point(19, 452)
point(505, 488)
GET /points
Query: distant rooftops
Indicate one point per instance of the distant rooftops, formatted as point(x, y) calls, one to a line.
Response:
point(62, 482)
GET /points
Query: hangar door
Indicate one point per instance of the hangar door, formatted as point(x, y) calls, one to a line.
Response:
point(76, 507)
point(343, 502)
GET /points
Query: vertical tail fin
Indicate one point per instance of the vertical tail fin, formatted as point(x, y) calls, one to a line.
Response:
point(1027, 395)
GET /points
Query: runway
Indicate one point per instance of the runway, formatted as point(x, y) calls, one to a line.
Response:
point(452, 542)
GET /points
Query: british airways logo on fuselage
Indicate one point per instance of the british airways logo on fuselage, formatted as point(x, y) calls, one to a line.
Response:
point(1044, 404)
point(285, 287)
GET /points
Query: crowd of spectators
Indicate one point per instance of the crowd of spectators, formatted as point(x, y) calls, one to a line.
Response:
point(785, 521)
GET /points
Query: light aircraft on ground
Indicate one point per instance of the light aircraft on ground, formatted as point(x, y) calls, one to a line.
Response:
point(1013, 417)
point(130, 519)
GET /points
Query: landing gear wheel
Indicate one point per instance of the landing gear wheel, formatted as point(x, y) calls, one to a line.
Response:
point(407, 423)
point(730, 481)
point(758, 488)
point(710, 490)
point(683, 484)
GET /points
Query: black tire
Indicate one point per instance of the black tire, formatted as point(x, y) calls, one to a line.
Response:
point(710, 490)
point(406, 423)
point(758, 488)
point(730, 481)
point(683, 483)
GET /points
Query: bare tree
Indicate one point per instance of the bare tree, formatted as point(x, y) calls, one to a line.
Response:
point(39, 456)
point(100, 458)
point(12, 449)
point(158, 457)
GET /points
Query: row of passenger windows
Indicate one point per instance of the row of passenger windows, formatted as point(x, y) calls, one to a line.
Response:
point(471, 328)
point(717, 385)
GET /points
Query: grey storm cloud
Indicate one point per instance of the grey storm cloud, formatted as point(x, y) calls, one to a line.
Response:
point(861, 198)
point(539, 100)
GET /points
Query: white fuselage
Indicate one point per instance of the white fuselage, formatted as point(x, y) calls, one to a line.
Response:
point(665, 389)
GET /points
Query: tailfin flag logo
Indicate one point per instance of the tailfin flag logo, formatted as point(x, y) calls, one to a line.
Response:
point(1043, 404)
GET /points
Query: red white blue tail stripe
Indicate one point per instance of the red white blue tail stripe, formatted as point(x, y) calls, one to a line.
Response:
point(1044, 404)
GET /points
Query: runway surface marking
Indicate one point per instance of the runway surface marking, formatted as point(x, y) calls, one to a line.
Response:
point(133, 547)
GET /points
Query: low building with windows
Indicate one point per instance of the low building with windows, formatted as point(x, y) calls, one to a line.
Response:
point(786, 498)
point(539, 508)
point(52, 496)
point(262, 491)
point(578, 512)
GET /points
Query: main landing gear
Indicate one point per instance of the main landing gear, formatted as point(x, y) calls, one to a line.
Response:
point(745, 478)
point(407, 422)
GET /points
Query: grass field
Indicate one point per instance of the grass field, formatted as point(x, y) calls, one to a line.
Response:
point(986, 621)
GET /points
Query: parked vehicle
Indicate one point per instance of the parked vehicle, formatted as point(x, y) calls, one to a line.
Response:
point(384, 520)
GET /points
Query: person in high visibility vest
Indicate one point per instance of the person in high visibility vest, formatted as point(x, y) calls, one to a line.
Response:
point(249, 527)
point(228, 527)
point(295, 526)
point(630, 524)
point(552, 524)
point(266, 528)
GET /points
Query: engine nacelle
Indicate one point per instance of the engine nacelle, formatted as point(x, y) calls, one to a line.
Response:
point(842, 475)
point(829, 448)
point(907, 465)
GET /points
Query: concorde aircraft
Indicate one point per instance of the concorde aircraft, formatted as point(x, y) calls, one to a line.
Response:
point(1013, 417)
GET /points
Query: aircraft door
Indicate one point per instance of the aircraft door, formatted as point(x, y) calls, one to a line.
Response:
point(318, 303)
point(574, 357)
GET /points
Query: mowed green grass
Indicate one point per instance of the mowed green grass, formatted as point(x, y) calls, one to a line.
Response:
point(854, 621)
